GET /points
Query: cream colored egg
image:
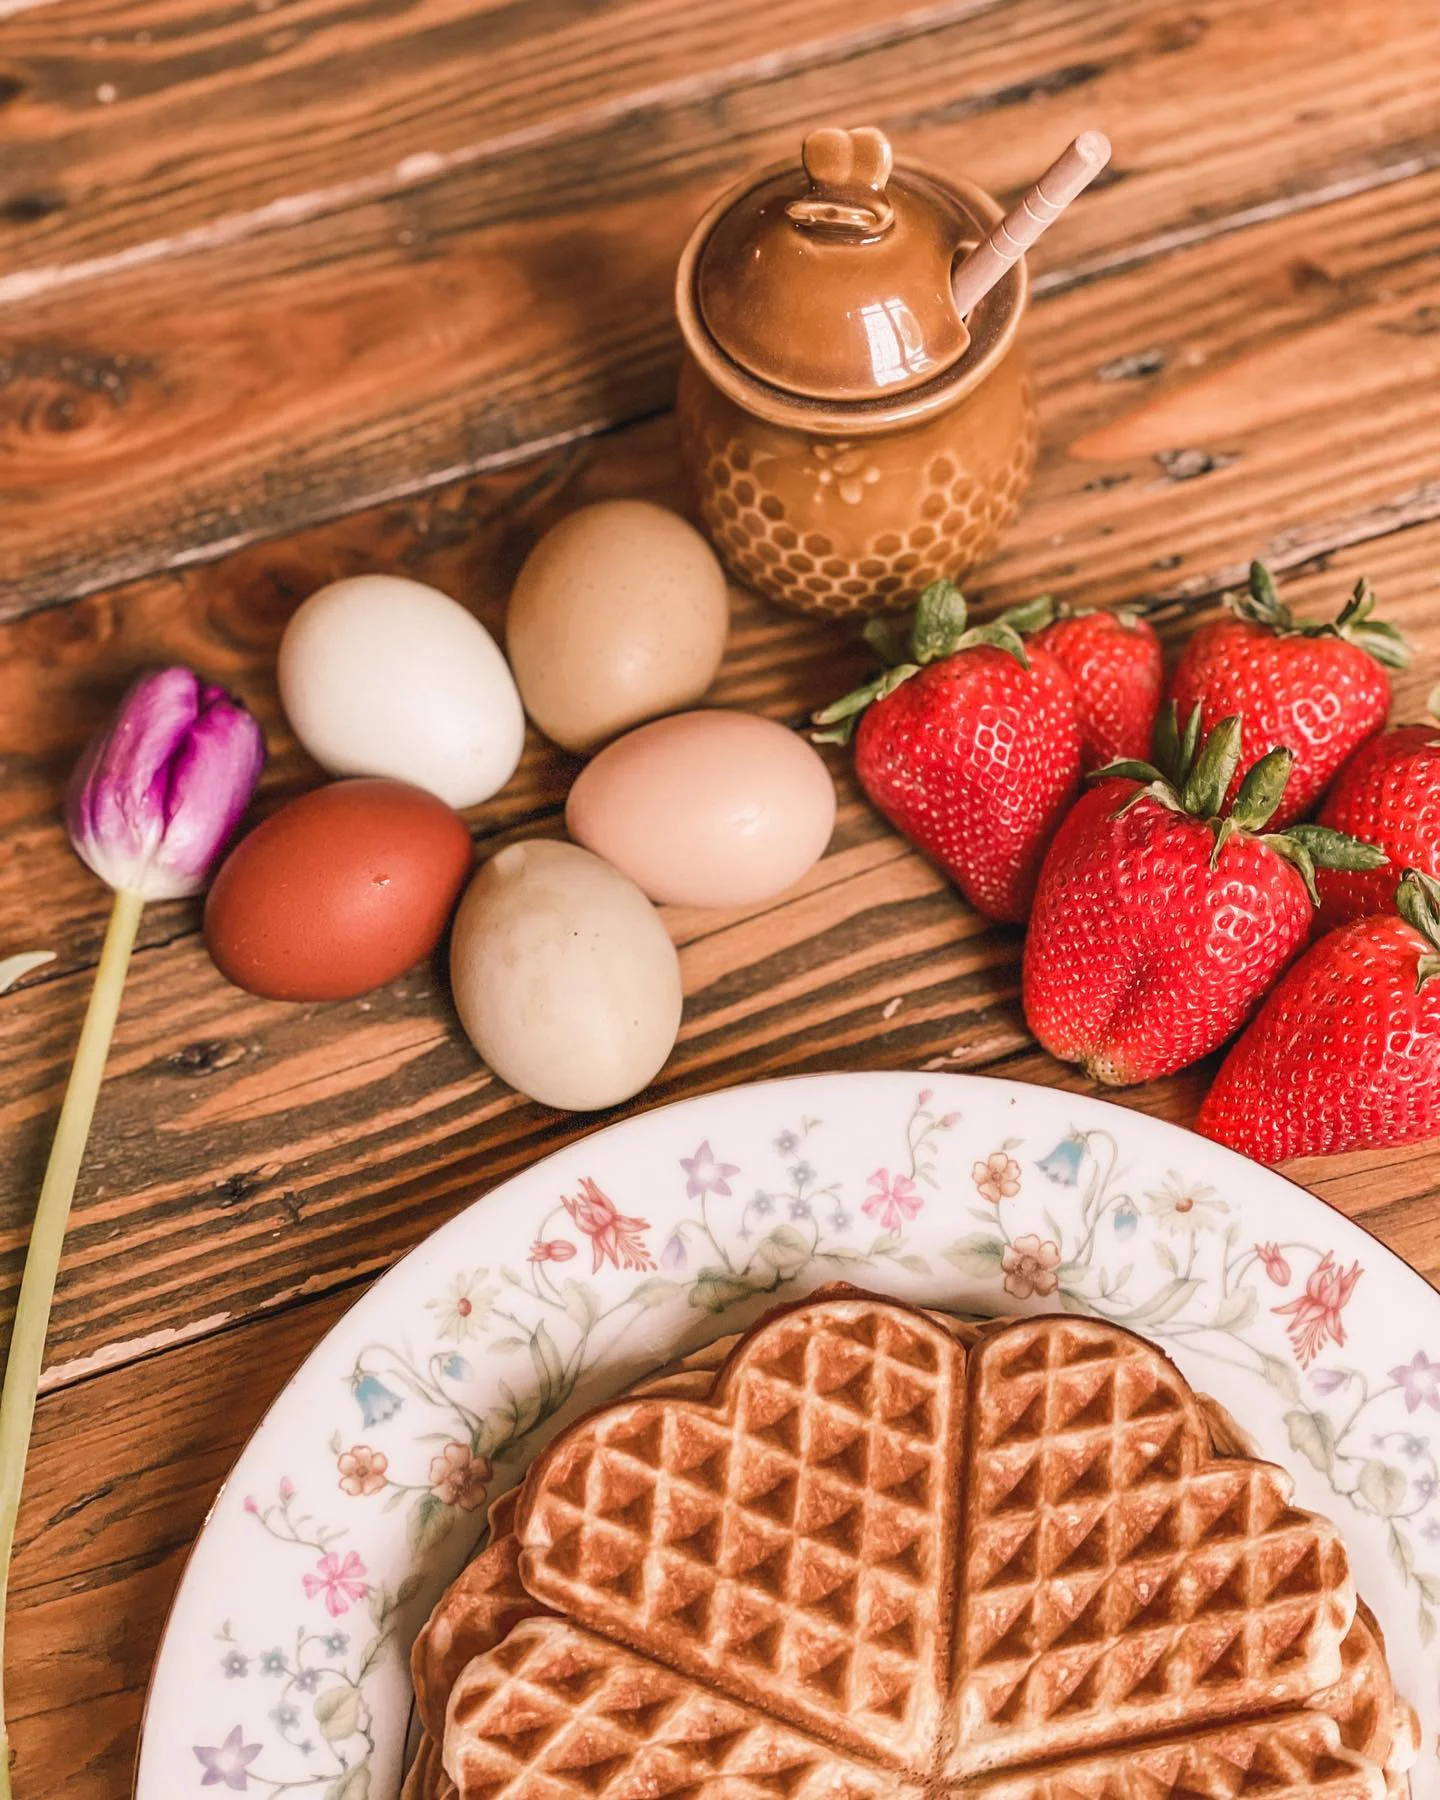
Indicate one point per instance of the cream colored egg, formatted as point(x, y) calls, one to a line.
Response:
point(383, 676)
point(706, 808)
point(619, 614)
point(564, 977)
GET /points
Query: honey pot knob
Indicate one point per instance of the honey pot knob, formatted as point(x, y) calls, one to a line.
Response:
point(848, 171)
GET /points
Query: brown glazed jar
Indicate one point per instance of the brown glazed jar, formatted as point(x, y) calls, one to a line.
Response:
point(848, 437)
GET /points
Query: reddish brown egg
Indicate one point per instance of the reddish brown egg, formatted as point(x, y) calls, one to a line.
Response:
point(338, 892)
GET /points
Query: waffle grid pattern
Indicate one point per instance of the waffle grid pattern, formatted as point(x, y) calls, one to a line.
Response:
point(556, 1713)
point(1113, 1568)
point(790, 1541)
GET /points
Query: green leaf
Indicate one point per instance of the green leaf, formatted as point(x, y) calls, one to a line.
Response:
point(13, 967)
point(1281, 1377)
point(1313, 1436)
point(785, 1251)
point(1330, 849)
point(917, 1265)
point(1171, 1299)
point(581, 1302)
point(1262, 789)
point(1123, 1276)
point(996, 636)
point(1236, 1310)
point(1126, 768)
point(885, 639)
point(350, 1784)
point(1209, 781)
point(842, 1253)
point(1417, 900)
point(1266, 607)
point(549, 1369)
point(844, 712)
point(1165, 1256)
point(940, 620)
point(500, 1345)
point(715, 1289)
point(378, 1604)
point(337, 1712)
point(1403, 1557)
point(337, 1443)
point(429, 1521)
point(655, 1291)
point(885, 1243)
point(1030, 615)
point(977, 1256)
point(409, 1588)
point(1429, 1586)
point(1382, 1487)
point(1166, 744)
point(1293, 850)
point(1425, 1623)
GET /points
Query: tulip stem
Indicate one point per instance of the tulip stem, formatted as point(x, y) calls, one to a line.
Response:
point(42, 1260)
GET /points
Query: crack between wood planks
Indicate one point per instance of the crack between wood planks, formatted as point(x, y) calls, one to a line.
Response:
point(424, 166)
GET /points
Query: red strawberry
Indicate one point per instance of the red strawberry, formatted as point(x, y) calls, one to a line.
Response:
point(1388, 792)
point(1159, 923)
point(971, 749)
point(1320, 690)
point(1345, 1053)
point(1115, 662)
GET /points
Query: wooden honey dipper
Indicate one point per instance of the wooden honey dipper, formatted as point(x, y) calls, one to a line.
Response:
point(1067, 176)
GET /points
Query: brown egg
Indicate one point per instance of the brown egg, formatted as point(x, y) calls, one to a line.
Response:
point(338, 892)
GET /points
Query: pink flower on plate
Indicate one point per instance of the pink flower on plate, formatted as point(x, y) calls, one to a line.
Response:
point(340, 1584)
point(1276, 1267)
point(1315, 1317)
point(997, 1177)
point(551, 1250)
point(1030, 1264)
point(614, 1236)
point(894, 1201)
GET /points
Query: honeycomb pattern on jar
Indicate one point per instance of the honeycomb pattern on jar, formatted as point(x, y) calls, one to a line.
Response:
point(955, 520)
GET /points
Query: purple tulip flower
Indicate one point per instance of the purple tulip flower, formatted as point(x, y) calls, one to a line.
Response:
point(157, 794)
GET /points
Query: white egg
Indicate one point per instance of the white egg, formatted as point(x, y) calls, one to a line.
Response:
point(383, 676)
point(564, 977)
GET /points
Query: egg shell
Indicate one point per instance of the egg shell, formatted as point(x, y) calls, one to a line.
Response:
point(706, 808)
point(383, 676)
point(338, 892)
point(619, 614)
point(564, 977)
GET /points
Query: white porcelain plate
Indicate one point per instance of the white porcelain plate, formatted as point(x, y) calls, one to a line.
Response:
point(283, 1669)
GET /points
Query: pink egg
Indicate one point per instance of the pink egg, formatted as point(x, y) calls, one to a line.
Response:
point(706, 808)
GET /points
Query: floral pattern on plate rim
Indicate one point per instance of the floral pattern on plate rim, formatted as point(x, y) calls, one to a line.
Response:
point(1067, 1227)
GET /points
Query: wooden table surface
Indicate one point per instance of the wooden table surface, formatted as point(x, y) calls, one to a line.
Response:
point(291, 289)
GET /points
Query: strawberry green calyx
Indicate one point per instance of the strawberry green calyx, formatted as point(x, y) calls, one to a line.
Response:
point(1417, 900)
point(1261, 604)
point(1192, 777)
point(941, 628)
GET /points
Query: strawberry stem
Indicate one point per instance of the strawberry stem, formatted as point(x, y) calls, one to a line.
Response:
point(1261, 605)
point(1417, 900)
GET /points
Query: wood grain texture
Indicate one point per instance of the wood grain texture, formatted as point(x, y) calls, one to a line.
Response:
point(252, 1153)
point(407, 337)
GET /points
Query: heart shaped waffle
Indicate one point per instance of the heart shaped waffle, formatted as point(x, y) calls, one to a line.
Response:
point(871, 1556)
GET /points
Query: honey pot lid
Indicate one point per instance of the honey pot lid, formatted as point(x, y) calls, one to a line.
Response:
point(833, 280)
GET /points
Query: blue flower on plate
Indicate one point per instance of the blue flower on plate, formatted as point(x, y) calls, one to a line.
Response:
point(235, 1664)
point(285, 1716)
point(1414, 1447)
point(1126, 1219)
point(307, 1680)
point(377, 1402)
point(1062, 1164)
point(336, 1643)
point(226, 1764)
point(455, 1367)
point(272, 1662)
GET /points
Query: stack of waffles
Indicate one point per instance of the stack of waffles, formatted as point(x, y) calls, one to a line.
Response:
point(864, 1551)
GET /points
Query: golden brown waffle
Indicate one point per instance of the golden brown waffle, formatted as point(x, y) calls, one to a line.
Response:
point(790, 1540)
point(1119, 1577)
point(778, 1551)
point(557, 1713)
point(1372, 1718)
point(1288, 1757)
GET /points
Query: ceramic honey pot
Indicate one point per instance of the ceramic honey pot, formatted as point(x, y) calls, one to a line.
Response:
point(848, 434)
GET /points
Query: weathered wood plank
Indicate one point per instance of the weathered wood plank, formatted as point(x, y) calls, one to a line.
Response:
point(1311, 330)
point(247, 1153)
point(446, 330)
point(132, 139)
